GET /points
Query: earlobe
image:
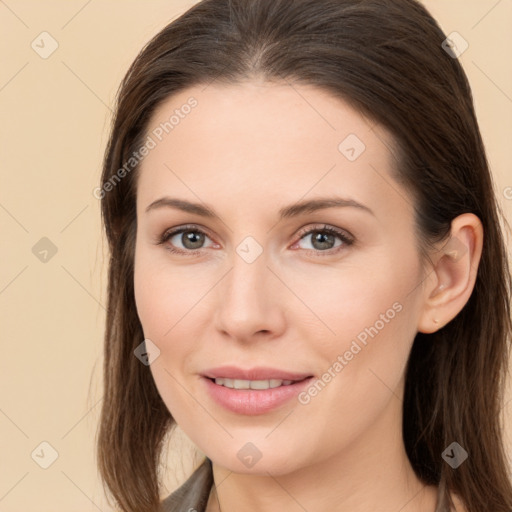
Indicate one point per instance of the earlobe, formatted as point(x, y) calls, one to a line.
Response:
point(453, 276)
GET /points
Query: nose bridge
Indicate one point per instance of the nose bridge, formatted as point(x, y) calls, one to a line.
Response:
point(248, 297)
point(247, 283)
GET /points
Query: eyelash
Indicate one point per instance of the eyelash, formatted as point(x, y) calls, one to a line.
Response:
point(345, 238)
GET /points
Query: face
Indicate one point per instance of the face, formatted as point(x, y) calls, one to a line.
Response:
point(275, 252)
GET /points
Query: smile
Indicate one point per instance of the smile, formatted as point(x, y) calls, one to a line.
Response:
point(252, 384)
point(253, 391)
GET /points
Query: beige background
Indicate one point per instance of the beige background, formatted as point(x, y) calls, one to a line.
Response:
point(55, 115)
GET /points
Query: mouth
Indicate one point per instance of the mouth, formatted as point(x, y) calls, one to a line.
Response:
point(252, 384)
point(256, 391)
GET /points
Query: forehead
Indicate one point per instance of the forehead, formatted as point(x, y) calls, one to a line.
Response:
point(252, 112)
point(265, 140)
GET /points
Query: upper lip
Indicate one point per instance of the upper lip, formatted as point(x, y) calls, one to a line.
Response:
point(258, 373)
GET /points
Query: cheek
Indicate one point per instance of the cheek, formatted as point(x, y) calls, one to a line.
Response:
point(372, 316)
point(369, 315)
point(171, 302)
point(353, 301)
point(163, 294)
point(160, 303)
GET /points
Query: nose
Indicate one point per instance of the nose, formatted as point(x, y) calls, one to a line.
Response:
point(250, 301)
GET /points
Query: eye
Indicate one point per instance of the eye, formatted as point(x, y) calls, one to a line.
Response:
point(186, 239)
point(189, 240)
point(324, 239)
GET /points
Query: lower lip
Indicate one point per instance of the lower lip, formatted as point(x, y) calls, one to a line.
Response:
point(254, 401)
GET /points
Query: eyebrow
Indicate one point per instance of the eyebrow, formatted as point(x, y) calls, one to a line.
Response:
point(293, 210)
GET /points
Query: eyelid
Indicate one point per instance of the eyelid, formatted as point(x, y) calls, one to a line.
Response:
point(185, 227)
point(342, 233)
point(171, 232)
point(347, 239)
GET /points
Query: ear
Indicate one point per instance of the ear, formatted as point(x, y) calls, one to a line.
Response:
point(450, 282)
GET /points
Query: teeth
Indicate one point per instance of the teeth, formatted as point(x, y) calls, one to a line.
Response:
point(252, 384)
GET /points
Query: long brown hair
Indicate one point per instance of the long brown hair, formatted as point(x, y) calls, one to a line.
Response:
point(386, 59)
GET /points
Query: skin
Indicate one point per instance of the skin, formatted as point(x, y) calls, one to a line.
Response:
point(248, 150)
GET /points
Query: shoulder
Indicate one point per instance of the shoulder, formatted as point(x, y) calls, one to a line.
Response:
point(193, 494)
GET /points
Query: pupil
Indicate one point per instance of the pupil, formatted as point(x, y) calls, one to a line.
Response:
point(325, 240)
point(192, 239)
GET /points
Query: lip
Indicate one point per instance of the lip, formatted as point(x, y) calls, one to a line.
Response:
point(258, 373)
point(253, 402)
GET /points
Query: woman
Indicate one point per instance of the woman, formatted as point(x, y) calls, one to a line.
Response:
point(307, 270)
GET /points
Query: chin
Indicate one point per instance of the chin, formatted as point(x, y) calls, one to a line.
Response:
point(248, 461)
